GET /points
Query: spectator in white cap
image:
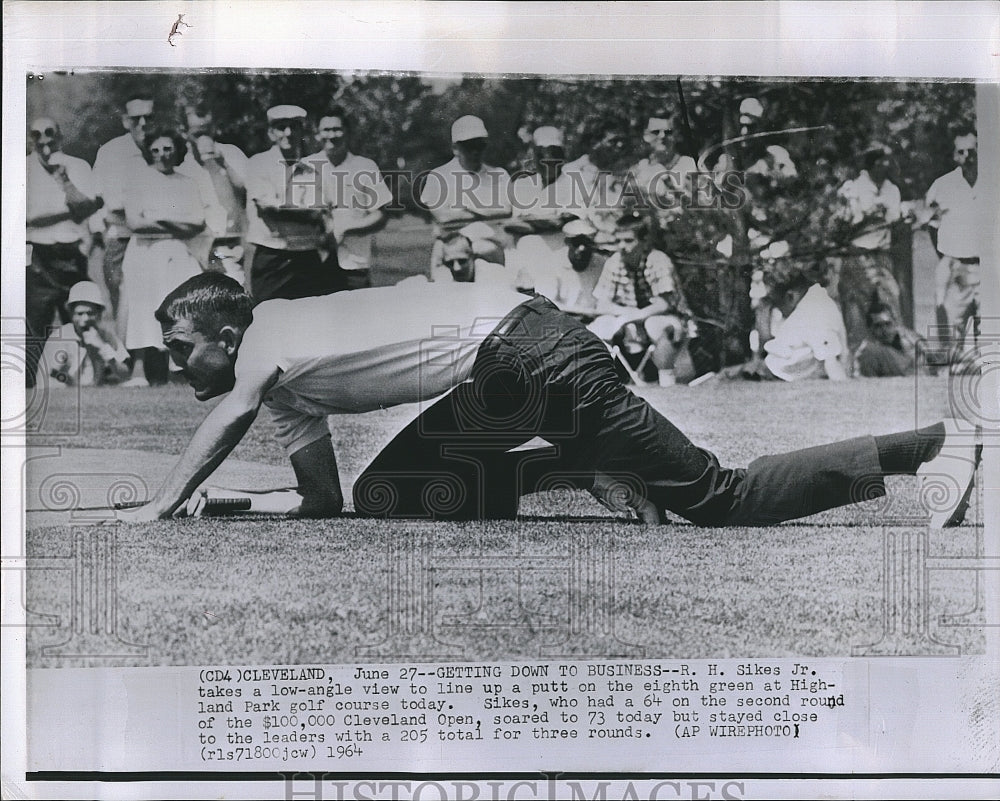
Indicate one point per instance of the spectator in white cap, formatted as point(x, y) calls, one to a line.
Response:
point(82, 352)
point(465, 189)
point(285, 214)
point(546, 199)
point(567, 276)
point(543, 202)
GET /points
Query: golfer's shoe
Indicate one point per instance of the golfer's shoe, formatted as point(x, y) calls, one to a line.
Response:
point(946, 481)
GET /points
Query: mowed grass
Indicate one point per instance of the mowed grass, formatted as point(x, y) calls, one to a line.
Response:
point(566, 579)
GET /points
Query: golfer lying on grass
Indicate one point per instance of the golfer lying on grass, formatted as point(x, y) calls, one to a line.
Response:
point(511, 370)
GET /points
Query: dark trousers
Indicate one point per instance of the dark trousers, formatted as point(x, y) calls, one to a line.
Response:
point(289, 274)
point(114, 255)
point(346, 280)
point(542, 374)
point(52, 272)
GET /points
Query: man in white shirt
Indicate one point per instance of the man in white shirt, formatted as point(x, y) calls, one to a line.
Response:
point(285, 214)
point(466, 189)
point(811, 341)
point(871, 203)
point(118, 161)
point(664, 177)
point(220, 170)
point(513, 370)
point(543, 202)
point(60, 197)
point(954, 200)
point(354, 194)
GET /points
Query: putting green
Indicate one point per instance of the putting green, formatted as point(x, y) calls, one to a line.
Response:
point(62, 484)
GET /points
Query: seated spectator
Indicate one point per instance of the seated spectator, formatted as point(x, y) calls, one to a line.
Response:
point(460, 263)
point(811, 341)
point(639, 298)
point(83, 352)
point(562, 276)
point(890, 349)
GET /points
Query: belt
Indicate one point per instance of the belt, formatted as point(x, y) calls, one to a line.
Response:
point(509, 324)
point(966, 259)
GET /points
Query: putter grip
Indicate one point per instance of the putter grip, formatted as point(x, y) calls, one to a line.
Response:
point(212, 505)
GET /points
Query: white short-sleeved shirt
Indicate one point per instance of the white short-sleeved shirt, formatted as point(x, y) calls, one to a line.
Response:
point(353, 352)
point(116, 164)
point(452, 187)
point(274, 182)
point(220, 218)
point(863, 196)
point(653, 179)
point(812, 333)
point(351, 189)
point(45, 195)
point(958, 234)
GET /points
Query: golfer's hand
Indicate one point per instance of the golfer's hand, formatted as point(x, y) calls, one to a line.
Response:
point(195, 505)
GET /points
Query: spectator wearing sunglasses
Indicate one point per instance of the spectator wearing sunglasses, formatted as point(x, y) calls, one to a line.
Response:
point(61, 196)
point(890, 349)
point(116, 166)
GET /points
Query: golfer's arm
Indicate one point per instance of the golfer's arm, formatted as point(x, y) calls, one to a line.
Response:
point(215, 438)
point(316, 471)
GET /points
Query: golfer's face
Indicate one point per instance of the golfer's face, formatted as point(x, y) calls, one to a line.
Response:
point(204, 363)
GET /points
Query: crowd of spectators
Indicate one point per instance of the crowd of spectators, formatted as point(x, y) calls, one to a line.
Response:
point(106, 244)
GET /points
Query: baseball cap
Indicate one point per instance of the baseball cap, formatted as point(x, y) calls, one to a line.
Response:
point(468, 127)
point(578, 228)
point(751, 107)
point(84, 292)
point(138, 108)
point(547, 136)
point(285, 113)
